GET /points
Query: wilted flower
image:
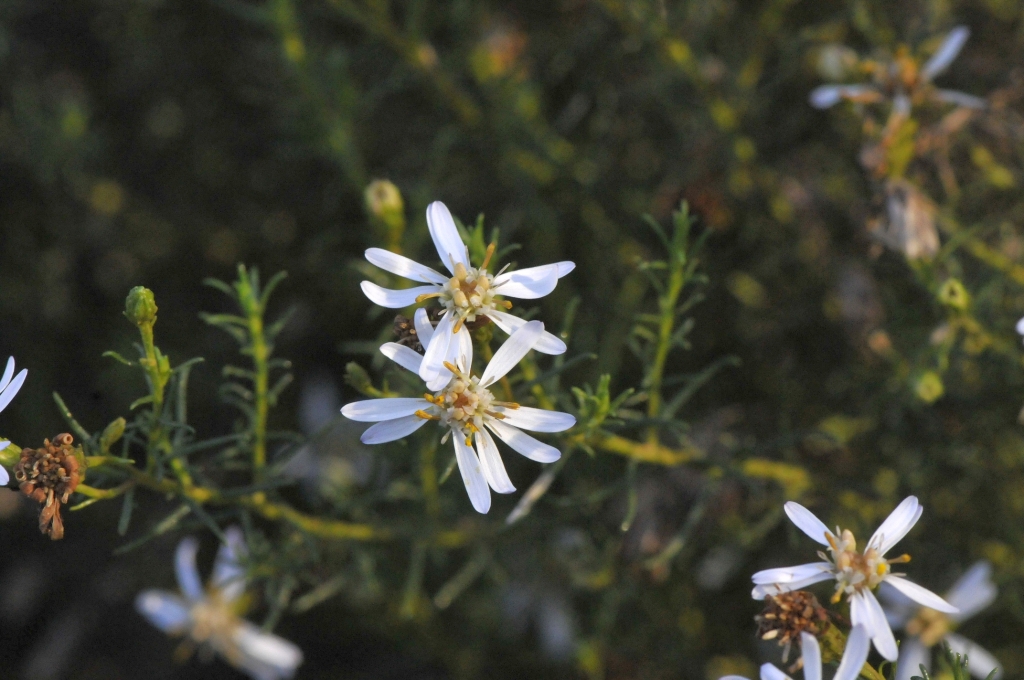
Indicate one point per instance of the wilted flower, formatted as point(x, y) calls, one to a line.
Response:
point(9, 386)
point(854, 656)
point(856, 574)
point(926, 627)
point(471, 293)
point(902, 81)
point(465, 406)
point(49, 475)
point(209, 618)
point(908, 226)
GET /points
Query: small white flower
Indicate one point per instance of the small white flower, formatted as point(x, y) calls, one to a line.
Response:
point(9, 386)
point(469, 293)
point(854, 656)
point(1020, 327)
point(856, 574)
point(464, 406)
point(926, 627)
point(902, 82)
point(209, 617)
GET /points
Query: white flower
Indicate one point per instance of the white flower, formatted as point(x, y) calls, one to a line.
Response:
point(209, 617)
point(1020, 327)
point(9, 386)
point(900, 80)
point(464, 405)
point(854, 656)
point(856, 574)
point(468, 294)
point(926, 627)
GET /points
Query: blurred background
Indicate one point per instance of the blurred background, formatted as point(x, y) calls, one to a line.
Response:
point(160, 142)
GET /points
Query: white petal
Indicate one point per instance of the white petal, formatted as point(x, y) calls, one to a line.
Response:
point(913, 655)
point(770, 672)
point(957, 98)
point(537, 420)
point(264, 655)
point(472, 475)
point(490, 461)
point(8, 374)
point(1020, 326)
point(763, 590)
point(12, 389)
point(829, 95)
point(228, 574)
point(528, 284)
point(898, 607)
point(548, 343)
point(920, 595)
point(4, 476)
point(461, 353)
point(446, 236)
point(424, 329)
point(811, 653)
point(524, 444)
point(791, 574)
point(185, 569)
point(972, 592)
point(901, 104)
point(512, 352)
point(436, 351)
point(899, 522)
point(946, 53)
point(858, 644)
point(441, 381)
point(979, 662)
point(375, 410)
point(865, 611)
point(391, 430)
point(807, 522)
point(166, 611)
point(408, 359)
point(565, 267)
point(394, 299)
point(404, 267)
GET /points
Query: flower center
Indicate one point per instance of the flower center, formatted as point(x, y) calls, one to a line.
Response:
point(464, 404)
point(212, 618)
point(470, 293)
point(856, 571)
point(929, 625)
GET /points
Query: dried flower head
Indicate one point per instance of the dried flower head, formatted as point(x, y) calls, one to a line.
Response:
point(786, 615)
point(49, 475)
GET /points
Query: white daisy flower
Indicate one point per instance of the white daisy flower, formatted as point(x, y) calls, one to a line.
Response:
point(900, 80)
point(9, 386)
point(466, 408)
point(925, 627)
point(209, 617)
point(854, 656)
point(468, 294)
point(856, 574)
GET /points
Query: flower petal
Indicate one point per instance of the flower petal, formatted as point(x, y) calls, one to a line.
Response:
point(165, 610)
point(11, 390)
point(4, 476)
point(524, 444)
point(391, 430)
point(394, 299)
point(920, 594)
point(407, 358)
point(763, 590)
point(899, 522)
point(827, 96)
point(811, 653)
point(446, 236)
point(899, 608)
point(770, 672)
point(8, 374)
point(1020, 326)
point(913, 655)
point(947, 52)
point(512, 352)
point(807, 522)
point(490, 461)
point(424, 329)
point(185, 568)
point(264, 656)
point(865, 611)
point(472, 475)
point(528, 284)
point(790, 574)
point(858, 644)
point(957, 98)
point(228, 574)
point(404, 267)
point(548, 344)
point(979, 662)
point(565, 267)
point(436, 352)
point(375, 410)
point(537, 419)
point(972, 592)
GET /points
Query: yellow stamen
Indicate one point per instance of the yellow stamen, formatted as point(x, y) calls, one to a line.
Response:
point(838, 596)
point(458, 324)
point(426, 296)
point(429, 397)
point(506, 404)
point(487, 257)
point(493, 414)
point(451, 367)
point(902, 559)
point(504, 303)
point(426, 416)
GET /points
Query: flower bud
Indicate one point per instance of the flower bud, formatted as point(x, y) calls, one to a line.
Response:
point(140, 306)
point(111, 434)
point(384, 203)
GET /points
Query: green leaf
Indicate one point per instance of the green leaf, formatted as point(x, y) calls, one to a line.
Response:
point(117, 357)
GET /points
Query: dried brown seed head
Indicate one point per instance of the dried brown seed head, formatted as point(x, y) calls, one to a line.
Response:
point(786, 615)
point(49, 475)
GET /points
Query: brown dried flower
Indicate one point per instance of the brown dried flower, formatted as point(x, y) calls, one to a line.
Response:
point(49, 475)
point(405, 332)
point(786, 615)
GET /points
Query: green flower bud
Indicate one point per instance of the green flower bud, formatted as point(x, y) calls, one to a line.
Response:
point(953, 294)
point(929, 387)
point(111, 434)
point(140, 306)
point(387, 210)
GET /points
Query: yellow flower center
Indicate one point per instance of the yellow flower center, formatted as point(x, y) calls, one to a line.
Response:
point(929, 626)
point(856, 571)
point(464, 404)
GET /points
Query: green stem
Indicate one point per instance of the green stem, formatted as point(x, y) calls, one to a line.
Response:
point(667, 309)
